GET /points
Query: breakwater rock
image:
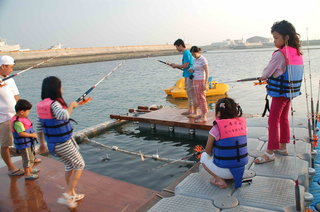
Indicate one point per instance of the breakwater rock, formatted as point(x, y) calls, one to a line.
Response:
point(68, 56)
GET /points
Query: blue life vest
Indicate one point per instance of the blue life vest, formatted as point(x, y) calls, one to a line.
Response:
point(22, 142)
point(288, 84)
point(231, 151)
point(54, 130)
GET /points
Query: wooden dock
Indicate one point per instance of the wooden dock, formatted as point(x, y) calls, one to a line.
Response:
point(102, 193)
point(171, 117)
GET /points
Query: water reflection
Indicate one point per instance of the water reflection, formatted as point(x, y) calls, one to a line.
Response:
point(28, 198)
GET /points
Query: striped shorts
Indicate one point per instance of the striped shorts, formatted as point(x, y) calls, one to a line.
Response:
point(68, 153)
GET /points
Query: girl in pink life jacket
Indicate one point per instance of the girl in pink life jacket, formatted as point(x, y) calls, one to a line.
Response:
point(284, 74)
point(54, 126)
point(226, 151)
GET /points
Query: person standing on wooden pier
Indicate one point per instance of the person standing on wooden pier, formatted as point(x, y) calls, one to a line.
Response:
point(187, 63)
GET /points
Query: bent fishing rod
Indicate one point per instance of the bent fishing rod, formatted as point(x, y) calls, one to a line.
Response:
point(82, 99)
point(31, 67)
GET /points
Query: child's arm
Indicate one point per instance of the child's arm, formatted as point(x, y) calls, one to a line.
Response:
point(19, 128)
point(276, 66)
point(27, 135)
point(209, 144)
point(43, 146)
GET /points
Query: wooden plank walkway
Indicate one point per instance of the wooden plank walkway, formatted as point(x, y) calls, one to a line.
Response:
point(102, 193)
point(172, 117)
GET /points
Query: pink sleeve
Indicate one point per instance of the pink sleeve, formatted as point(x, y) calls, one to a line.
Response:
point(276, 66)
point(215, 132)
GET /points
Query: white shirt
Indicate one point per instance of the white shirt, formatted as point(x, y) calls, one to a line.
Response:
point(8, 90)
point(198, 66)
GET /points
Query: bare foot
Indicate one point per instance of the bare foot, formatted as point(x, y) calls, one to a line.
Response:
point(193, 115)
point(221, 183)
point(186, 113)
point(200, 120)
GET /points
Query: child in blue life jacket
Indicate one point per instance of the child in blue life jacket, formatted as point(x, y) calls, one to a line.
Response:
point(54, 126)
point(24, 138)
point(284, 74)
point(226, 152)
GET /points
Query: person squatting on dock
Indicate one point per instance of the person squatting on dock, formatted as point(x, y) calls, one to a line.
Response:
point(25, 138)
point(200, 72)
point(284, 74)
point(54, 126)
point(9, 95)
point(226, 152)
point(187, 63)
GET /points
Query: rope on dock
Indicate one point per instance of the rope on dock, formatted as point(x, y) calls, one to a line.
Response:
point(139, 154)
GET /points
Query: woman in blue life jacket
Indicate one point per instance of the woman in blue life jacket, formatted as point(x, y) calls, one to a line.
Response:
point(226, 151)
point(54, 126)
point(284, 74)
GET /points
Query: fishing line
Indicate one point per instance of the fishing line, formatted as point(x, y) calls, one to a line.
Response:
point(297, 188)
point(308, 110)
point(311, 95)
point(317, 108)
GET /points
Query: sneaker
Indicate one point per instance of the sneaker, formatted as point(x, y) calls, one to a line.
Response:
point(67, 200)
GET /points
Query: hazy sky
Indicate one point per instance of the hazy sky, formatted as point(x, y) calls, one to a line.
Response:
point(38, 24)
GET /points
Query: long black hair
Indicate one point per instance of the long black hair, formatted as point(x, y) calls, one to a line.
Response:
point(228, 109)
point(51, 88)
point(285, 28)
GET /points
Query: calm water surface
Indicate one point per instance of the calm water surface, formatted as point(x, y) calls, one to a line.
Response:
point(142, 82)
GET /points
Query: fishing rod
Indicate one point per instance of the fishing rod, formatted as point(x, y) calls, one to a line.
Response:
point(311, 95)
point(317, 108)
point(246, 80)
point(168, 64)
point(82, 100)
point(296, 187)
point(307, 104)
point(31, 67)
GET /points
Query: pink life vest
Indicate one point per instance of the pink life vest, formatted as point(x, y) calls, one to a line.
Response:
point(232, 127)
point(25, 121)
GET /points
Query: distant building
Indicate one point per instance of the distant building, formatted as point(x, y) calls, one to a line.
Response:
point(258, 39)
point(5, 47)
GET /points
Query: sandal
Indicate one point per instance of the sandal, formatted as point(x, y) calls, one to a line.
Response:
point(35, 171)
point(67, 200)
point(282, 152)
point(265, 158)
point(17, 172)
point(78, 197)
point(32, 177)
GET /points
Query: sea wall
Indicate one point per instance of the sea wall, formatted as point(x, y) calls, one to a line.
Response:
point(67, 56)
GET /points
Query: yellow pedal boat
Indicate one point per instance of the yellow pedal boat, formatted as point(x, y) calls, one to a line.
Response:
point(214, 88)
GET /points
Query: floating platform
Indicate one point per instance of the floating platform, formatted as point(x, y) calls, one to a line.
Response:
point(273, 184)
point(169, 119)
point(102, 193)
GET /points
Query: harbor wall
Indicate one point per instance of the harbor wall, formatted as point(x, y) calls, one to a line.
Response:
point(68, 56)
